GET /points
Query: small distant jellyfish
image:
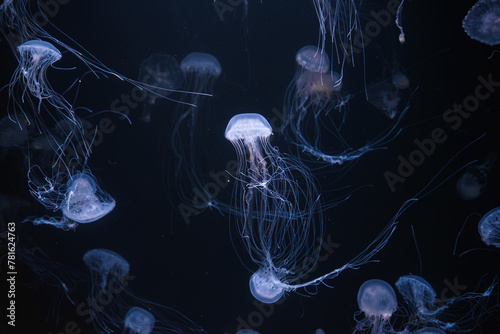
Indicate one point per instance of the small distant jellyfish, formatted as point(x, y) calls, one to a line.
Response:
point(489, 228)
point(474, 180)
point(462, 313)
point(138, 321)
point(80, 200)
point(162, 74)
point(192, 121)
point(400, 81)
point(377, 300)
point(276, 196)
point(482, 22)
point(385, 97)
point(110, 298)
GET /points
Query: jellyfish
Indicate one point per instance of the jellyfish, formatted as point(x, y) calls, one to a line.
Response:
point(482, 22)
point(472, 183)
point(112, 304)
point(278, 213)
point(377, 300)
point(80, 199)
point(138, 321)
point(489, 228)
point(201, 71)
point(310, 122)
point(158, 70)
point(400, 80)
point(457, 315)
point(385, 97)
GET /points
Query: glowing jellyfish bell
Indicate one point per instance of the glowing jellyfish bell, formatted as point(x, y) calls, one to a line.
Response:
point(377, 300)
point(103, 263)
point(489, 228)
point(248, 127)
point(482, 22)
point(265, 287)
point(418, 291)
point(312, 59)
point(85, 202)
point(138, 321)
point(35, 57)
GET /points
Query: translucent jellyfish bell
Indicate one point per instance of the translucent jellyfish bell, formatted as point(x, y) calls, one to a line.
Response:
point(202, 63)
point(377, 300)
point(489, 228)
point(482, 22)
point(248, 127)
point(417, 290)
point(475, 179)
point(138, 321)
point(35, 57)
point(85, 202)
point(265, 287)
point(313, 59)
point(104, 262)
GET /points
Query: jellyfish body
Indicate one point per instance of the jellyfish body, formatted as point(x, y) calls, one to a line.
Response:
point(138, 321)
point(377, 300)
point(385, 97)
point(400, 80)
point(278, 213)
point(475, 179)
point(80, 199)
point(201, 71)
point(309, 121)
point(450, 316)
point(482, 22)
point(162, 73)
point(489, 228)
point(110, 298)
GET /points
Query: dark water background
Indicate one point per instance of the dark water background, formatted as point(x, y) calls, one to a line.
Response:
point(194, 267)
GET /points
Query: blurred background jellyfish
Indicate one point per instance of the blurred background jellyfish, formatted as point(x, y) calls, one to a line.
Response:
point(278, 213)
point(310, 123)
point(201, 71)
point(112, 304)
point(474, 180)
point(385, 97)
point(482, 22)
point(461, 314)
point(80, 199)
point(377, 301)
point(138, 321)
point(489, 228)
point(159, 71)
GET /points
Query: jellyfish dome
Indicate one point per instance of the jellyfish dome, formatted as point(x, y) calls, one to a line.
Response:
point(265, 287)
point(103, 262)
point(138, 321)
point(40, 50)
point(482, 22)
point(202, 63)
point(85, 202)
point(416, 291)
point(248, 127)
point(489, 228)
point(377, 299)
point(313, 59)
